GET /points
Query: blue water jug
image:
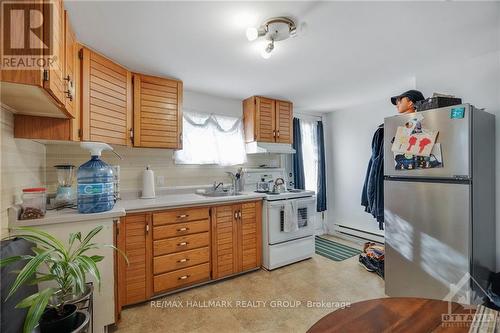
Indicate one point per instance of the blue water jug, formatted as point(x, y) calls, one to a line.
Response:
point(95, 183)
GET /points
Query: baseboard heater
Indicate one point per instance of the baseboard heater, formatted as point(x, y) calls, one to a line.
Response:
point(359, 234)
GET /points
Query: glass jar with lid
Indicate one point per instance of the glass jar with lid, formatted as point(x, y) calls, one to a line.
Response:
point(34, 203)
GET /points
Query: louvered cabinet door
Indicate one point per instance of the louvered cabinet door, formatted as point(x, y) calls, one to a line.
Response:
point(106, 100)
point(55, 83)
point(157, 112)
point(250, 225)
point(135, 239)
point(265, 119)
point(224, 241)
point(284, 122)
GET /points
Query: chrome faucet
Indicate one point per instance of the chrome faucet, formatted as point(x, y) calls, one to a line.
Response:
point(216, 186)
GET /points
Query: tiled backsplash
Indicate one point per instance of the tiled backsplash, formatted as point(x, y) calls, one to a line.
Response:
point(135, 160)
point(22, 165)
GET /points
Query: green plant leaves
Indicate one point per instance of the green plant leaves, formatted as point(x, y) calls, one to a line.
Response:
point(89, 264)
point(28, 271)
point(38, 305)
point(13, 259)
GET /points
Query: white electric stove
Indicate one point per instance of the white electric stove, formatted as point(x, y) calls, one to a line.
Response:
point(280, 248)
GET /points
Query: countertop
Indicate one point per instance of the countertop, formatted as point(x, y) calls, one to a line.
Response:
point(129, 205)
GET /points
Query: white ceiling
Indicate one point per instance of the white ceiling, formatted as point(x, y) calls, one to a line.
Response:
point(348, 50)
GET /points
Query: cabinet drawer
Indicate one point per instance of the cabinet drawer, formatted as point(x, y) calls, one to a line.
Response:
point(180, 229)
point(182, 243)
point(181, 277)
point(171, 262)
point(180, 215)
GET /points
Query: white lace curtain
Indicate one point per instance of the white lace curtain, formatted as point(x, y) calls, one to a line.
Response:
point(211, 139)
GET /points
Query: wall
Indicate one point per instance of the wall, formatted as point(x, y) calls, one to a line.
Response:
point(22, 165)
point(161, 160)
point(348, 137)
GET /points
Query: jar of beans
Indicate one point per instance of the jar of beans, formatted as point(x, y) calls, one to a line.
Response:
point(34, 202)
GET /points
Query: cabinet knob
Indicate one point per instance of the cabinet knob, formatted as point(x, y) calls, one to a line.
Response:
point(182, 229)
point(183, 260)
point(183, 244)
point(184, 277)
point(182, 216)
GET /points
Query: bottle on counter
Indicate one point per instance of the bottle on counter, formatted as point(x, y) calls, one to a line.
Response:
point(95, 181)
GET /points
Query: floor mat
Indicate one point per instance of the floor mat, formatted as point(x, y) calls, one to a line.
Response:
point(333, 250)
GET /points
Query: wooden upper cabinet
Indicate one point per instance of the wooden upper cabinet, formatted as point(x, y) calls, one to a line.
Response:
point(265, 115)
point(157, 112)
point(106, 100)
point(267, 120)
point(236, 238)
point(284, 122)
point(70, 68)
point(37, 91)
point(55, 84)
point(135, 239)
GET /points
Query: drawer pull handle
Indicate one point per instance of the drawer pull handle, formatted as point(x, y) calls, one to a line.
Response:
point(183, 244)
point(182, 216)
point(184, 277)
point(182, 229)
point(183, 260)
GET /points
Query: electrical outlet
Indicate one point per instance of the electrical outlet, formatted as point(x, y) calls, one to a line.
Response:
point(160, 181)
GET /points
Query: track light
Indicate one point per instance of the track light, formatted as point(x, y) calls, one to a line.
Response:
point(275, 29)
point(266, 53)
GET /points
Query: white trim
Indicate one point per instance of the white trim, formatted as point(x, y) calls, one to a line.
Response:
point(305, 116)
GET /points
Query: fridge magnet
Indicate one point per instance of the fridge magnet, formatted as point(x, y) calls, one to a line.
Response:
point(434, 160)
point(404, 161)
point(413, 143)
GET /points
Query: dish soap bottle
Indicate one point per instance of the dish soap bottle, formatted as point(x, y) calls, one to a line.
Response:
point(95, 181)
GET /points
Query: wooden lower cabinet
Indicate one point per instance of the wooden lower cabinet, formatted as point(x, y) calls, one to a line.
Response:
point(176, 248)
point(134, 239)
point(236, 238)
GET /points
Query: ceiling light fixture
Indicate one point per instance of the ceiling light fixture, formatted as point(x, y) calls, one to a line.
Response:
point(266, 53)
point(275, 29)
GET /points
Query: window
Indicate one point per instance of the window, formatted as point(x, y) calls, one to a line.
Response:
point(211, 139)
point(310, 153)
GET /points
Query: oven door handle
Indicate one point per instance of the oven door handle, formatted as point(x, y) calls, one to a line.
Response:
point(300, 202)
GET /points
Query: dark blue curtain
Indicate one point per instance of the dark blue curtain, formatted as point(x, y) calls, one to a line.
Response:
point(298, 163)
point(321, 195)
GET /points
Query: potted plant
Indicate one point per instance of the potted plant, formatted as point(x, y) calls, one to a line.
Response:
point(66, 266)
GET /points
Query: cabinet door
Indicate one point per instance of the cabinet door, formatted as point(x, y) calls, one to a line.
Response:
point(106, 100)
point(157, 112)
point(54, 84)
point(70, 64)
point(265, 119)
point(284, 122)
point(250, 235)
point(224, 241)
point(135, 239)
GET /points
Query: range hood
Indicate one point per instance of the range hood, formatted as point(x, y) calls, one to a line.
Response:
point(269, 148)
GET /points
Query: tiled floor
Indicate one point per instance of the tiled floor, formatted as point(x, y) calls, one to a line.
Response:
point(314, 280)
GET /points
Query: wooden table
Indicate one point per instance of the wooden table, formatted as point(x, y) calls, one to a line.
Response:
point(397, 315)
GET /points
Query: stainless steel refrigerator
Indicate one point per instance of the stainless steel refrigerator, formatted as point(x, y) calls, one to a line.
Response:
point(440, 221)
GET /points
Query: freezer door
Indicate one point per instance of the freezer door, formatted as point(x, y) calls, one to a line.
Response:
point(426, 238)
point(454, 137)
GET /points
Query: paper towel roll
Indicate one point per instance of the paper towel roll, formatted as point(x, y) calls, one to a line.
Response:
point(148, 184)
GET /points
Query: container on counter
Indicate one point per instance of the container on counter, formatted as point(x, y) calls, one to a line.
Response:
point(95, 181)
point(34, 203)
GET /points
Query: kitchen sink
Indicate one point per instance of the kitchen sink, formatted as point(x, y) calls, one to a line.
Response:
point(219, 194)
